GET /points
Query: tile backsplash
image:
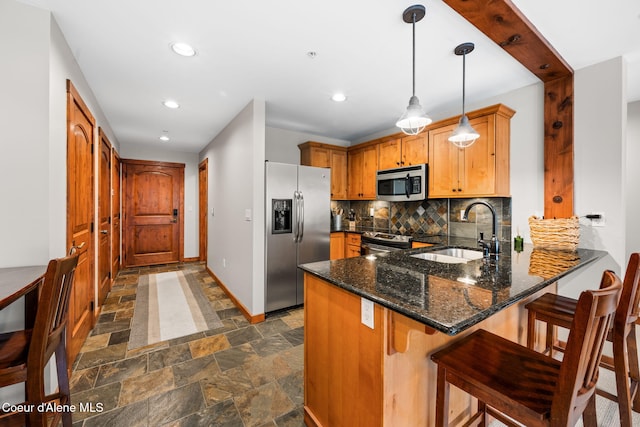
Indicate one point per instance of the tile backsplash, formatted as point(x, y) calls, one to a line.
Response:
point(431, 216)
point(424, 217)
point(480, 218)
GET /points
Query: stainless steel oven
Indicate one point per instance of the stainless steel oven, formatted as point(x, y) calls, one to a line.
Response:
point(375, 242)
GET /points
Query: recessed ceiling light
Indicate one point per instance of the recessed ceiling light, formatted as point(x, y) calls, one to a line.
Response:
point(164, 138)
point(169, 103)
point(183, 49)
point(339, 97)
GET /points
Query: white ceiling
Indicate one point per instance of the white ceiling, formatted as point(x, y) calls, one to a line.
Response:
point(258, 49)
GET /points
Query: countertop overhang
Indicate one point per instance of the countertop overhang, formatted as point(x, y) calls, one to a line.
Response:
point(451, 297)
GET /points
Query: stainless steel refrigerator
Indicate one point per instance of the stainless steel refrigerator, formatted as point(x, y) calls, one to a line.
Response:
point(298, 215)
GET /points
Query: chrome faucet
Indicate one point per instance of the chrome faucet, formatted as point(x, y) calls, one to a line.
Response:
point(493, 246)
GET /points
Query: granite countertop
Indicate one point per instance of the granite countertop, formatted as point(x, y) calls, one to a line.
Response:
point(451, 297)
point(358, 229)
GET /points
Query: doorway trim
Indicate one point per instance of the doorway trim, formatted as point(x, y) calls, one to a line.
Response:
point(203, 208)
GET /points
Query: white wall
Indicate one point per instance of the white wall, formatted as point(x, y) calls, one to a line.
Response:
point(282, 144)
point(24, 121)
point(33, 116)
point(63, 66)
point(24, 167)
point(633, 178)
point(236, 188)
point(599, 153)
point(600, 166)
point(190, 160)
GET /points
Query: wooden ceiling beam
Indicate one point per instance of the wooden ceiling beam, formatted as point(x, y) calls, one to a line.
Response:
point(506, 25)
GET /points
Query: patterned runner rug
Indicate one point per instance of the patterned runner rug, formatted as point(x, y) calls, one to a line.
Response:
point(169, 305)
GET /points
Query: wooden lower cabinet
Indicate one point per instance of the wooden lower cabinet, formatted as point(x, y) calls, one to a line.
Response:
point(352, 245)
point(357, 376)
point(336, 245)
point(342, 379)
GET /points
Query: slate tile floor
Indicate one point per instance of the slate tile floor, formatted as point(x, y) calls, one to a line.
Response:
point(239, 375)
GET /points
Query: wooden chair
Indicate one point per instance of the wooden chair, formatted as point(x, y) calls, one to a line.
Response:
point(558, 311)
point(513, 382)
point(24, 354)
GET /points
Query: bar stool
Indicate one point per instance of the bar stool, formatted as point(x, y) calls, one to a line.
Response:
point(25, 353)
point(511, 380)
point(558, 311)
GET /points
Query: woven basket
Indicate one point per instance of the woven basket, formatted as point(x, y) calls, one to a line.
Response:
point(548, 263)
point(562, 233)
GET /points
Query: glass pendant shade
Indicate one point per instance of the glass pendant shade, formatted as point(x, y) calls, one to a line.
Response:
point(464, 135)
point(414, 120)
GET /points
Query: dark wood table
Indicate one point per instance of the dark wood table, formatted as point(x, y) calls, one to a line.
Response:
point(16, 282)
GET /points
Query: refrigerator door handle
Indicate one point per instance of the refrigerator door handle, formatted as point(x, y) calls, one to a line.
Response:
point(301, 217)
point(296, 208)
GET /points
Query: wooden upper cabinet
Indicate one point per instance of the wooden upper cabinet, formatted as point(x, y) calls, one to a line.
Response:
point(415, 150)
point(411, 150)
point(444, 165)
point(390, 154)
point(481, 170)
point(362, 167)
point(338, 175)
point(328, 156)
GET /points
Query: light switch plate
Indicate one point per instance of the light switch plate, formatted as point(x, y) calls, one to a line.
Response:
point(366, 313)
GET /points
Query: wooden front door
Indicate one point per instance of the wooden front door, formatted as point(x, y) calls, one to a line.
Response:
point(116, 226)
point(80, 225)
point(104, 218)
point(153, 209)
point(203, 203)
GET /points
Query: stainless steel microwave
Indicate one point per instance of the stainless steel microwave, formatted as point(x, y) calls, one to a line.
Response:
point(403, 184)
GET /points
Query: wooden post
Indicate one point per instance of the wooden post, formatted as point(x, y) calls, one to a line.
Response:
point(507, 26)
point(558, 148)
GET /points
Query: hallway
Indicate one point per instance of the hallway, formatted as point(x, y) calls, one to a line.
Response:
point(238, 375)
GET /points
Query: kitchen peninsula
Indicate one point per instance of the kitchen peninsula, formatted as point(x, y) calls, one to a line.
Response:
point(371, 323)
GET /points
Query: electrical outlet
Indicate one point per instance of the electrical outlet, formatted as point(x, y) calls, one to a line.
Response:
point(598, 222)
point(461, 214)
point(224, 262)
point(366, 312)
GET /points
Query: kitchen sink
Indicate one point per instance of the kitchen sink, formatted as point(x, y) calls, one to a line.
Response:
point(450, 255)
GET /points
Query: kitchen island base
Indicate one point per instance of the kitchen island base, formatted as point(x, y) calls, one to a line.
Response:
point(355, 375)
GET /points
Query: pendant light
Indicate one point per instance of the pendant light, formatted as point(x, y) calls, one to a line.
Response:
point(414, 120)
point(464, 135)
